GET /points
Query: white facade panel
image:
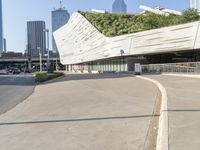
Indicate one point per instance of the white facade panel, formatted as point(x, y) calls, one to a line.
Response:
point(79, 41)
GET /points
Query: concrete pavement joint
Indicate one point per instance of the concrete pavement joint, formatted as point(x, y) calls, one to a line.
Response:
point(163, 131)
point(77, 120)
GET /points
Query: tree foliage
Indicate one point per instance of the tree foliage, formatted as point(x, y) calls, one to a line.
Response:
point(118, 24)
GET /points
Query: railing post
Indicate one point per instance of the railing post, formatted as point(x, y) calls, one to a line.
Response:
point(196, 67)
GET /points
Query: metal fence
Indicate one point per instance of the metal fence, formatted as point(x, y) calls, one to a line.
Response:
point(190, 67)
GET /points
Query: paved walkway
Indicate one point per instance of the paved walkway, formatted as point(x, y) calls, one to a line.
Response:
point(82, 112)
point(183, 111)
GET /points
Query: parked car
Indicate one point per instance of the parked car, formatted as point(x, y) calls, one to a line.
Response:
point(27, 70)
point(10, 70)
point(16, 71)
point(3, 71)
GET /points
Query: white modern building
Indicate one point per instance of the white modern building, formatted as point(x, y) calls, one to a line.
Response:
point(195, 4)
point(82, 46)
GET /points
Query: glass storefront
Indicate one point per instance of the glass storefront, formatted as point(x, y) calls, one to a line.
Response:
point(119, 64)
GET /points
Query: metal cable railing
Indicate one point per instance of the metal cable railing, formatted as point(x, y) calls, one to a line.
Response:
point(190, 67)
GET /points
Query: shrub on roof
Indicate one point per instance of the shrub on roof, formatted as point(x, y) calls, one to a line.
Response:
point(190, 15)
point(119, 24)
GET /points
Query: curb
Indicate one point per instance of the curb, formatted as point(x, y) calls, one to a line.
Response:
point(163, 136)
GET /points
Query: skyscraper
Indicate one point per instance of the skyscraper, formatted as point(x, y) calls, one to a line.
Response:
point(36, 38)
point(1, 28)
point(4, 45)
point(59, 17)
point(195, 4)
point(119, 6)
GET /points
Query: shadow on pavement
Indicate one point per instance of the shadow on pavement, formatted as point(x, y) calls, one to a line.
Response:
point(71, 77)
point(78, 120)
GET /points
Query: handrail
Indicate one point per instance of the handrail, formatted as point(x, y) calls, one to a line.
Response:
point(189, 67)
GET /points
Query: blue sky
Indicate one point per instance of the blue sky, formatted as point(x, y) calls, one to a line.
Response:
point(17, 12)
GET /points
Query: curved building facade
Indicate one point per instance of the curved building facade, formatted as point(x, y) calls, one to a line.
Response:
point(79, 42)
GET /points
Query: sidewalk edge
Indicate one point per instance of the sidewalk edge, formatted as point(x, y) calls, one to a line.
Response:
point(163, 136)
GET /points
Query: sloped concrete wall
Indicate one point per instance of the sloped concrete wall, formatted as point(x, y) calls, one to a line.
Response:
point(79, 41)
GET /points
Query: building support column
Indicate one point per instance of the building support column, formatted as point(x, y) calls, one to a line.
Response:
point(29, 65)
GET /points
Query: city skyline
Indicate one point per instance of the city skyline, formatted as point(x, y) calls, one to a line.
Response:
point(36, 38)
point(1, 29)
point(26, 12)
point(119, 6)
point(59, 17)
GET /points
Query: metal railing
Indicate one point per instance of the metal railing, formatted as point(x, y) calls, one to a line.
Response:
point(189, 67)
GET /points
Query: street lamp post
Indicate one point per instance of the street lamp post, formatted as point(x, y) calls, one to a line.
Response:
point(122, 52)
point(40, 56)
point(47, 31)
point(56, 65)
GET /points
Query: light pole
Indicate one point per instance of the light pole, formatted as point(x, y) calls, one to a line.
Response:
point(56, 65)
point(47, 31)
point(122, 52)
point(40, 56)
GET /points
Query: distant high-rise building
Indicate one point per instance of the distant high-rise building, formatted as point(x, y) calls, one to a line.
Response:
point(59, 17)
point(195, 4)
point(5, 45)
point(119, 6)
point(1, 28)
point(36, 38)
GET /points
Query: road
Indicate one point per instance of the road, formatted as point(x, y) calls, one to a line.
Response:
point(83, 112)
point(14, 89)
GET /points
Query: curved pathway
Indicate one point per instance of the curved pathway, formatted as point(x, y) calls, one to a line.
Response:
point(82, 112)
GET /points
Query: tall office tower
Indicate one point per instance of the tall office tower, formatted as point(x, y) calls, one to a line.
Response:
point(195, 4)
point(1, 28)
point(119, 6)
point(5, 45)
point(36, 38)
point(59, 17)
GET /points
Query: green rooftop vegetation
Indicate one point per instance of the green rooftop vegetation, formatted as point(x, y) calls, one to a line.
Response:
point(119, 24)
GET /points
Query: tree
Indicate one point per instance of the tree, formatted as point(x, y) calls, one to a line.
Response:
point(118, 24)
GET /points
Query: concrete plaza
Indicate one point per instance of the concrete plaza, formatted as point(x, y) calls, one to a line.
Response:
point(83, 112)
point(95, 112)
